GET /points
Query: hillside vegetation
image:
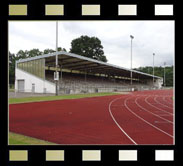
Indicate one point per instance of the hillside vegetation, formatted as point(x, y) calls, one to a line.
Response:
point(159, 71)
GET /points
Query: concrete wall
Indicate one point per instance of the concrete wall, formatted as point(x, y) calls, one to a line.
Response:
point(41, 86)
point(158, 82)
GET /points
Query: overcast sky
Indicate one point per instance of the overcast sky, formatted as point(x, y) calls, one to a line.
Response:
point(149, 37)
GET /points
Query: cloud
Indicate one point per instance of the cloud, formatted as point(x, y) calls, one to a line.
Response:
point(149, 37)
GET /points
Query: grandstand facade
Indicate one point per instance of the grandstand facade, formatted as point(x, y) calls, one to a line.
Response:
point(77, 74)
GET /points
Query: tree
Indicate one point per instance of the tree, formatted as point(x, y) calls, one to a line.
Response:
point(12, 59)
point(89, 47)
point(48, 51)
point(34, 52)
point(62, 49)
point(22, 54)
point(27, 54)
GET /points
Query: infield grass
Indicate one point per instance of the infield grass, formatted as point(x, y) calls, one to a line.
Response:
point(18, 139)
point(50, 98)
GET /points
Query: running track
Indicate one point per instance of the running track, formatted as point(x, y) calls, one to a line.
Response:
point(144, 117)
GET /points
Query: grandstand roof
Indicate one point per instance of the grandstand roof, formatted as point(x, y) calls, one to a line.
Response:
point(76, 62)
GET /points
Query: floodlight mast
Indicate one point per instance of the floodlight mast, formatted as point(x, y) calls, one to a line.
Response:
point(153, 68)
point(56, 59)
point(164, 74)
point(132, 37)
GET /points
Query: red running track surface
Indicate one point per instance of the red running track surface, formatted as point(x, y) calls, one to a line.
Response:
point(144, 117)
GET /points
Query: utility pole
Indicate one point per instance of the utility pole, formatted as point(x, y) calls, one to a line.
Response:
point(132, 37)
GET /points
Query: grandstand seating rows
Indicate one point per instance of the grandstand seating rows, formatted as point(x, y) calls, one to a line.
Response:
point(79, 83)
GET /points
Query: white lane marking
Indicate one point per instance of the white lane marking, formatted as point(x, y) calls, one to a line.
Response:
point(165, 115)
point(167, 100)
point(117, 122)
point(156, 107)
point(145, 120)
point(152, 95)
point(155, 99)
point(160, 122)
point(150, 111)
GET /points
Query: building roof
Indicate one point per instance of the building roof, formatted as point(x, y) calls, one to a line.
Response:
point(76, 62)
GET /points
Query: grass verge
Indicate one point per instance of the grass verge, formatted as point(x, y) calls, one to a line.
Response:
point(50, 98)
point(18, 139)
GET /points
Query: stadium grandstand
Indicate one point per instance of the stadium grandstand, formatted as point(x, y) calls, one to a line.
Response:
point(77, 74)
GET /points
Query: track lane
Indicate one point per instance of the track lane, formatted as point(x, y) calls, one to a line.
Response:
point(158, 104)
point(147, 106)
point(160, 101)
point(89, 121)
point(162, 125)
point(150, 112)
point(75, 121)
point(169, 101)
point(140, 132)
point(122, 129)
point(149, 100)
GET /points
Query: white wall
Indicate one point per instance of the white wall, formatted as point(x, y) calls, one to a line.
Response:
point(30, 79)
point(158, 82)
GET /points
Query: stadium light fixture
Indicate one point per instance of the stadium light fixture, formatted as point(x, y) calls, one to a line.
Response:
point(132, 37)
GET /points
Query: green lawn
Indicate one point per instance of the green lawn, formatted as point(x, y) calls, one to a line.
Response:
point(49, 98)
point(18, 139)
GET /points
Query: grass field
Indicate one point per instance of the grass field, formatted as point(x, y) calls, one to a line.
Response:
point(17, 139)
point(49, 98)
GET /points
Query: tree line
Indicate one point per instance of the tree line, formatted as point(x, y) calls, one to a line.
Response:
point(159, 71)
point(90, 47)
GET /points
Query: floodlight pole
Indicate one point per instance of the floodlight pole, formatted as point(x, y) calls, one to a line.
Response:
point(153, 68)
point(15, 79)
point(164, 74)
point(132, 37)
point(56, 58)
